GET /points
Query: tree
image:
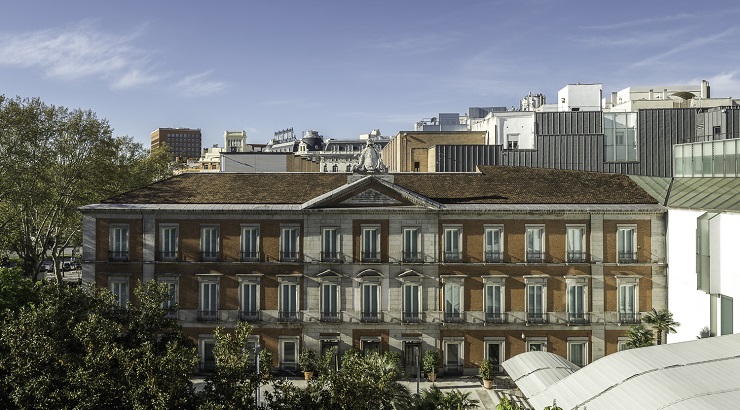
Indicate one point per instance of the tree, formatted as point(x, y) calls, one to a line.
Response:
point(662, 321)
point(639, 336)
point(74, 349)
point(54, 161)
point(16, 290)
point(434, 398)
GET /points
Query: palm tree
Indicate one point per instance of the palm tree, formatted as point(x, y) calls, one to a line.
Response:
point(639, 336)
point(662, 321)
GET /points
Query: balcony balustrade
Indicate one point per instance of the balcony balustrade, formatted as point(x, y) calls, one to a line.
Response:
point(118, 256)
point(627, 257)
point(496, 317)
point(576, 257)
point(494, 257)
point(208, 315)
point(538, 318)
point(250, 256)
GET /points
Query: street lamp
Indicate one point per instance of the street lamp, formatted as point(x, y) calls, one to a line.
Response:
point(418, 369)
point(257, 353)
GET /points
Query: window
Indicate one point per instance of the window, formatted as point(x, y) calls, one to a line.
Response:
point(536, 299)
point(208, 299)
point(250, 243)
point(620, 136)
point(370, 307)
point(370, 345)
point(170, 304)
point(493, 244)
point(118, 243)
point(577, 351)
point(494, 299)
point(536, 344)
point(535, 244)
point(627, 289)
point(119, 287)
point(289, 244)
point(626, 238)
point(494, 352)
point(411, 303)
point(577, 305)
point(335, 168)
point(289, 354)
point(330, 245)
point(168, 242)
point(288, 302)
point(453, 356)
point(207, 358)
point(453, 307)
point(512, 141)
point(417, 166)
point(411, 245)
point(209, 243)
point(576, 243)
point(249, 297)
point(452, 244)
point(370, 244)
point(329, 302)
point(622, 344)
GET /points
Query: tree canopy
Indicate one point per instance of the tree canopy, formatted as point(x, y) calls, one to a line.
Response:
point(55, 160)
point(662, 321)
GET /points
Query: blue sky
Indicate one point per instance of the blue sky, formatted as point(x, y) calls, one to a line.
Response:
point(346, 67)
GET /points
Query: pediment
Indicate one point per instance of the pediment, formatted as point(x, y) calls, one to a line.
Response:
point(370, 192)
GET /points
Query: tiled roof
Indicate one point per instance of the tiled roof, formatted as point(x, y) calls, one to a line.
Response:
point(494, 185)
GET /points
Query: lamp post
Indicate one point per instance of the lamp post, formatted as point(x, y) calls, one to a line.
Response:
point(418, 370)
point(257, 353)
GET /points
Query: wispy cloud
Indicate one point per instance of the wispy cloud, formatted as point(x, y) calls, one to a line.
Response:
point(641, 22)
point(198, 85)
point(636, 38)
point(684, 46)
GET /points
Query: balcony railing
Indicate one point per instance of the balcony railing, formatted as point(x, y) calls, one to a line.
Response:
point(371, 317)
point(579, 318)
point(576, 257)
point(288, 317)
point(453, 317)
point(535, 256)
point(249, 316)
point(627, 257)
point(412, 257)
point(119, 256)
point(453, 256)
point(330, 317)
point(208, 315)
point(411, 317)
point(494, 257)
point(496, 317)
point(453, 369)
point(169, 255)
point(209, 256)
point(538, 317)
point(370, 257)
point(289, 256)
point(629, 318)
point(250, 256)
point(331, 257)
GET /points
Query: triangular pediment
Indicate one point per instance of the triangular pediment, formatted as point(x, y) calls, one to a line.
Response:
point(370, 192)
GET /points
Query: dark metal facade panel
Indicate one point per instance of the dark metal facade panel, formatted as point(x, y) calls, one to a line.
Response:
point(569, 123)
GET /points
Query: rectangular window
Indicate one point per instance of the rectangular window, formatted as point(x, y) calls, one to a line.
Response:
point(288, 302)
point(330, 245)
point(209, 243)
point(535, 304)
point(575, 246)
point(535, 244)
point(370, 302)
point(411, 309)
point(250, 302)
point(119, 288)
point(208, 301)
point(620, 136)
point(250, 244)
point(119, 243)
point(627, 308)
point(288, 354)
point(495, 354)
point(289, 244)
point(411, 245)
point(452, 244)
point(725, 304)
point(453, 358)
point(370, 345)
point(170, 304)
point(494, 307)
point(627, 252)
point(536, 344)
point(493, 245)
point(169, 243)
point(329, 302)
point(577, 353)
point(370, 244)
point(207, 358)
point(453, 305)
point(576, 297)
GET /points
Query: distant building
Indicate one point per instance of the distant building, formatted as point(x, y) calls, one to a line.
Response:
point(342, 155)
point(236, 141)
point(184, 143)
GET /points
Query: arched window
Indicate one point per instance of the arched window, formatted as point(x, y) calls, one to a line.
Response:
point(335, 168)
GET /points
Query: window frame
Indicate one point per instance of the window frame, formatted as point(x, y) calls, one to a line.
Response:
point(255, 281)
point(328, 315)
point(501, 342)
point(249, 253)
point(202, 343)
point(411, 312)
point(531, 282)
point(623, 254)
point(574, 341)
point(572, 285)
point(449, 284)
point(166, 253)
point(490, 255)
point(205, 311)
point(492, 316)
point(623, 316)
point(333, 254)
point(449, 253)
point(368, 255)
point(450, 367)
point(282, 342)
point(119, 248)
point(536, 340)
point(365, 315)
point(289, 315)
point(411, 253)
point(532, 255)
point(290, 246)
point(210, 253)
point(114, 284)
point(575, 255)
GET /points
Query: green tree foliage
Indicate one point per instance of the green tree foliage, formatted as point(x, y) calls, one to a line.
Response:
point(639, 336)
point(435, 399)
point(73, 349)
point(16, 291)
point(55, 160)
point(662, 321)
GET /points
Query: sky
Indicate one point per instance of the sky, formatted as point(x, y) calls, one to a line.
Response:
point(344, 68)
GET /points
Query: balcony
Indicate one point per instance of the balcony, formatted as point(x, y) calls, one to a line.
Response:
point(330, 317)
point(289, 256)
point(579, 318)
point(496, 317)
point(209, 256)
point(288, 317)
point(411, 317)
point(169, 256)
point(331, 257)
point(537, 318)
point(249, 316)
point(535, 257)
point(412, 257)
point(627, 257)
point(576, 257)
point(452, 257)
point(118, 256)
point(629, 318)
point(371, 317)
point(208, 315)
point(370, 257)
point(494, 257)
point(453, 317)
point(250, 256)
